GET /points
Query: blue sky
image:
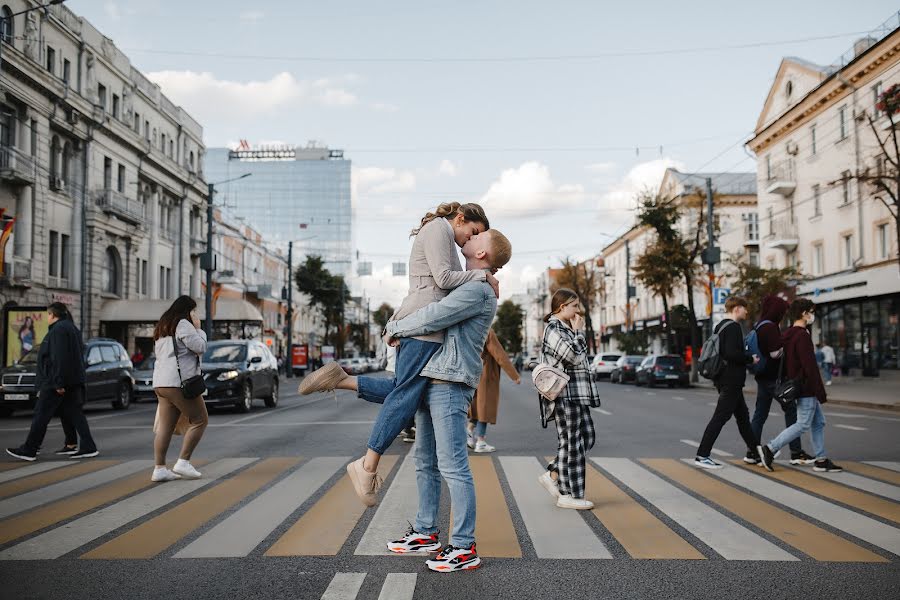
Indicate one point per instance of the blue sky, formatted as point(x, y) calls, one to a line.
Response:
point(550, 114)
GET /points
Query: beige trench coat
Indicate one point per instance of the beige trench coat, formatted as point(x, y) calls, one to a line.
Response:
point(487, 396)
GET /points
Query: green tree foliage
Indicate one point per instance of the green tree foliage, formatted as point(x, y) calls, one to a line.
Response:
point(754, 283)
point(658, 269)
point(508, 326)
point(327, 293)
point(586, 283)
point(383, 314)
point(632, 342)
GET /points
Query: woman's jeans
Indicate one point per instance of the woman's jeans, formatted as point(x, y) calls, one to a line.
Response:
point(480, 429)
point(809, 418)
point(400, 397)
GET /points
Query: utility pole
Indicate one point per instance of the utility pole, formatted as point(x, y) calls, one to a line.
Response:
point(712, 254)
point(629, 322)
point(290, 311)
point(210, 260)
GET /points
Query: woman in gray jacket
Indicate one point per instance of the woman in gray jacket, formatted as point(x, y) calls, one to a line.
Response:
point(179, 344)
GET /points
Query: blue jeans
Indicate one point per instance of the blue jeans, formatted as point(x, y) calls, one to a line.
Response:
point(826, 371)
point(764, 396)
point(400, 397)
point(480, 429)
point(441, 452)
point(809, 418)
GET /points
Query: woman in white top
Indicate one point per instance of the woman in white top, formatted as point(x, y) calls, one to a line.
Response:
point(179, 344)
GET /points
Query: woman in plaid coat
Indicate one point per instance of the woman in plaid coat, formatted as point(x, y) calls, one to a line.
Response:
point(564, 347)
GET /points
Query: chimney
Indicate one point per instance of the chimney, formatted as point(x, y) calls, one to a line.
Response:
point(863, 44)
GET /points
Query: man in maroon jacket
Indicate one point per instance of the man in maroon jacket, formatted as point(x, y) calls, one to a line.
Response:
point(800, 364)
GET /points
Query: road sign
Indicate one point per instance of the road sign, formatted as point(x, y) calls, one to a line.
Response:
point(720, 294)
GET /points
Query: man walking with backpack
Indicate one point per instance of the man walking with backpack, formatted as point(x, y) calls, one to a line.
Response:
point(729, 375)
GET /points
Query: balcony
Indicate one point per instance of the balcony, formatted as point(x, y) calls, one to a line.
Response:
point(17, 273)
point(16, 167)
point(782, 179)
point(117, 204)
point(782, 235)
point(198, 246)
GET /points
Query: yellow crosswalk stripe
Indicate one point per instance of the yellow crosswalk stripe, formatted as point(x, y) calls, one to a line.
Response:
point(494, 531)
point(33, 482)
point(7, 466)
point(885, 475)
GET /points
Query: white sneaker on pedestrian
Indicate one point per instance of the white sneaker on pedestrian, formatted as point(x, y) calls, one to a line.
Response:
point(567, 501)
point(549, 485)
point(185, 469)
point(482, 446)
point(827, 383)
point(161, 474)
point(470, 441)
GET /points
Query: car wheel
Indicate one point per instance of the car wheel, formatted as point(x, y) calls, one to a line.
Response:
point(5, 412)
point(123, 397)
point(272, 399)
point(650, 383)
point(246, 402)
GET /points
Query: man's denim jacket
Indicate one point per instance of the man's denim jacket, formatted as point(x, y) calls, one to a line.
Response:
point(466, 315)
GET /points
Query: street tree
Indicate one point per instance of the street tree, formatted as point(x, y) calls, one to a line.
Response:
point(586, 283)
point(754, 282)
point(327, 294)
point(383, 314)
point(508, 326)
point(632, 342)
point(658, 270)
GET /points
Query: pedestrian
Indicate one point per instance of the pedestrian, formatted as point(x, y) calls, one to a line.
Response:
point(800, 365)
point(564, 346)
point(729, 383)
point(137, 358)
point(179, 344)
point(60, 383)
point(828, 360)
point(520, 362)
point(487, 397)
point(768, 331)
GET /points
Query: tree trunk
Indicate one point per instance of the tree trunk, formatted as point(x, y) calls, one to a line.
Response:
point(589, 332)
point(695, 337)
point(667, 328)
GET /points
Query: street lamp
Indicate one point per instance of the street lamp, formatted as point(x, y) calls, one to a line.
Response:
point(3, 19)
point(290, 303)
point(207, 261)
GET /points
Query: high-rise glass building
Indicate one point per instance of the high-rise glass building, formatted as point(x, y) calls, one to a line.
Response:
point(293, 194)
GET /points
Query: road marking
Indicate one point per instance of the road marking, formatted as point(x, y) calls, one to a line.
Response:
point(325, 527)
point(57, 491)
point(879, 473)
point(636, 528)
point(554, 532)
point(65, 539)
point(859, 416)
point(694, 444)
point(399, 503)
point(152, 537)
point(603, 412)
point(873, 486)
point(41, 480)
point(650, 393)
point(344, 586)
point(794, 531)
point(840, 518)
point(272, 411)
point(851, 427)
point(730, 539)
point(892, 466)
point(494, 528)
point(118, 413)
point(18, 471)
point(845, 495)
point(8, 466)
point(677, 397)
point(400, 586)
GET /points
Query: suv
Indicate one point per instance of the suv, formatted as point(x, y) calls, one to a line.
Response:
point(237, 371)
point(603, 364)
point(108, 376)
point(663, 369)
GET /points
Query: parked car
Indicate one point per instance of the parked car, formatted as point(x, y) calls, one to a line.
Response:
point(143, 380)
point(346, 365)
point(624, 369)
point(664, 369)
point(603, 364)
point(237, 371)
point(359, 366)
point(374, 364)
point(531, 362)
point(108, 377)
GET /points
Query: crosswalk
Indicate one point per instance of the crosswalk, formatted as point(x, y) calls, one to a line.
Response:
point(659, 509)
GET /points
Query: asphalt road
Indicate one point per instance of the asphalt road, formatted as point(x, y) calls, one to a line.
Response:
point(274, 519)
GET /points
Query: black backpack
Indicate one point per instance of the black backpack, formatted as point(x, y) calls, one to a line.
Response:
point(711, 364)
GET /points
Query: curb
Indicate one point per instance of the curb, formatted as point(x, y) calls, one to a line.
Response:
point(858, 404)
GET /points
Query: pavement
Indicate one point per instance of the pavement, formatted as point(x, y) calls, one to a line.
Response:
point(274, 515)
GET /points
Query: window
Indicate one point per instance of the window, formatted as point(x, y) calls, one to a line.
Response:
point(141, 276)
point(34, 137)
point(109, 354)
point(842, 120)
point(165, 283)
point(67, 71)
point(817, 258)
point(812, 138)
point(754, 258)
point(882, 237)
point(192, 160)
point(107, 173)
point(65, 158)
point(53, 267)
point(162, 143)
point(876, 96)
point(845, 188)
point(147, 130)
point(171, 148)
point(847, 249)
point(768, 167)
point(120, 180)
point(770, 216)
point(111, 272)
point(93, 357)
point(7, 33)
point(65, 250)
point(817, 201)
point(115, 105)
point(54, 157)
point(137, 123)
point(51, 60)
point(101, 95)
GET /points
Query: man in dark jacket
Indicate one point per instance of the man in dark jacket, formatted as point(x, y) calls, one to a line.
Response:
point(800, 365)
point(729, 383)
point(60, 384)
point(768, 333)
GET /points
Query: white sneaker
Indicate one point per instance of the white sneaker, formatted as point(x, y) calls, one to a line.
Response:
point(482, 446)
point(568, 501)
point(161, 474)
point(186, 469)
point(549, 485)
point(470, 441)
point(827, 383)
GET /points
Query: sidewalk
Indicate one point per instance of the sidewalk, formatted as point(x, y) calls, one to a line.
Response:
point(881, 392)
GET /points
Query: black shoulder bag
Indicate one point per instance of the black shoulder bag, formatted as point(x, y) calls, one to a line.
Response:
point(787, 390)
point(194, 386)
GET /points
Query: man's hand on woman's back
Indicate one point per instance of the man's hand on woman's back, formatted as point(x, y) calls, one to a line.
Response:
point(494, 283)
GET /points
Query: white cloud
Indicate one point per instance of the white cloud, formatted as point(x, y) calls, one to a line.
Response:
point(515, 280)
point(600, 167)
point(378, 180)
point(382, 286)
point(252, 16)
point(620, 197)
point(529, 189)
point(448, 168)
point(112, 9)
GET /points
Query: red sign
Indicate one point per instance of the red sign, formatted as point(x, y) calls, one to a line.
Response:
point(300, 356)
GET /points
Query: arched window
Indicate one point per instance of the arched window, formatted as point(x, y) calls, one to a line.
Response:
point(112, 279)
point(192, 160)
point(54, 156)
point(66, 158)
point(7, 25)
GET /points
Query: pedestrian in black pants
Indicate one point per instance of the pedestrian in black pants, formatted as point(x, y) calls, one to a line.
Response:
point(60, 383)
point(729, 383)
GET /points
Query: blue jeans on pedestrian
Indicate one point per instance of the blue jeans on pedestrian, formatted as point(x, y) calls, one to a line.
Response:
point(809, 418)
point(400, 397)
point(826, 371)
point(440, 451)
point(480, 429)
point(765, 392)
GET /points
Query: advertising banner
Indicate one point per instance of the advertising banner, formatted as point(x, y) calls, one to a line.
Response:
point(24, 328)
point(300, 356)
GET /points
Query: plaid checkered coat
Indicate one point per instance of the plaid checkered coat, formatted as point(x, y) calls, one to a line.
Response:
point(566, 349)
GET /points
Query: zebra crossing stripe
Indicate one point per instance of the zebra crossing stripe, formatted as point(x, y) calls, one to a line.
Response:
point(152, 537)
point(62, 489)
point(8, 466)
point(885, 464)
point(39, 480)
point(494, 531)
point(244, 530)
point(878, 473)
point(794, 531)
point(730, 539)
point(325, 527)
point(398, 586)
point(65, 539)
point(344, 586)
point(396, 508)
point(554, 532)
point(845, 495)
point(873, 486)
point(12, 471)
point(840, 518)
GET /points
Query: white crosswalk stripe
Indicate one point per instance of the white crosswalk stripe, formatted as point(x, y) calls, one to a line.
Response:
point(398, 506)
point(893, 466)
point(33, 469)
point(861, 483)
point(398, 586)
point(344, 586)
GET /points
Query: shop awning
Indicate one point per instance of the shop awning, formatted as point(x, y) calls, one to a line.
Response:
point(149, 311)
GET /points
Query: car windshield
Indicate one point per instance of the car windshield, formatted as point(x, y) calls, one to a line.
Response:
point(225, 353)
point(147, 364)
point(30, 357)
point(670, 361)
point(634, 360)
point(610, 357)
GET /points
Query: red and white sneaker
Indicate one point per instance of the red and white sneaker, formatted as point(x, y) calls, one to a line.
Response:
point(414, 541)
point(454, 559)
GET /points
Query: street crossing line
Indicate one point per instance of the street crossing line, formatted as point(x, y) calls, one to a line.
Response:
point(858, 525)
point(794, 531)
point(62, 540)
point(892, 466)
point(12, 471)
point(398, 586)
point(873, 486)
point(603, 412)
point(344, 586)
point(851, 427)
point(555, 533)
point(244, 530)
point(152, 537)
point(730, 539)
point(398, 506)
point(324, 528)
point(8, 466)
point(694, 444)
point(878, 473)
point(494, 528)
point(40, 480)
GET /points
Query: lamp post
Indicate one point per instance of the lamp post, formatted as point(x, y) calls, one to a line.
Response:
point(290, 301)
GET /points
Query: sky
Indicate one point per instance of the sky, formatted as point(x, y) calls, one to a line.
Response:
point(551, 115)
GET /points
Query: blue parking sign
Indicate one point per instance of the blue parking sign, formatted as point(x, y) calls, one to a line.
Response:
point(720, 294)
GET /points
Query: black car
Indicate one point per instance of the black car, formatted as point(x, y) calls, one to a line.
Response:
point(625, 369)
point(663, 369)
point(143, 380)
point(108, 377)
point(237, 371)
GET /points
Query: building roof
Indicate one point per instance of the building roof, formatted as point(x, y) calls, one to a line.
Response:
point(825, 70)
point(733, 184)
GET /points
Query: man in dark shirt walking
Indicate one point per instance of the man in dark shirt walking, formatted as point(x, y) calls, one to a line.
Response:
point(729, 383)
point(60, 383)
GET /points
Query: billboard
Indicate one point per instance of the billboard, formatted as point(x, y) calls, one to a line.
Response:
point(300, 356)
point(327, 354)
point(24, 328)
